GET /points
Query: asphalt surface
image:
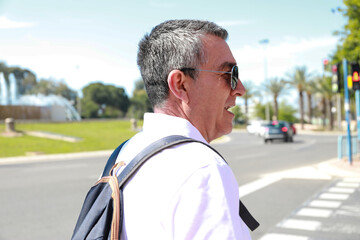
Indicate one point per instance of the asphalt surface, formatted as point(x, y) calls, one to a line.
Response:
point(297, 191)
point(303, 200)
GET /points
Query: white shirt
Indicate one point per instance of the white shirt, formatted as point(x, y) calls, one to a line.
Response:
point(183, 192)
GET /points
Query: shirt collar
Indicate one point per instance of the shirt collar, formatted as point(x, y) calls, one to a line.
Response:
point(163, 125)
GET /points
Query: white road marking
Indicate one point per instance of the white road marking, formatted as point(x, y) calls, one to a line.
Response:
point(333, 196)
point(350, 229)
point(347, 184)
point(275, 236)
point(354, 180)
point(256, 185)
point(341, 190)
point(300, 224)
point(313, 212)
point(297, 173)
point(301, 173)
point(325, 204)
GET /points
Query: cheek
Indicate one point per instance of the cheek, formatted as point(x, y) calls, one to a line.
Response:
point(218, 106)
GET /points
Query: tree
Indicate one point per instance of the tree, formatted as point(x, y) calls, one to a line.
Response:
point(250, 93)
point(139, 102)
point(260, 110)
point(326, 93)
point(27, 83)
point(349, 47)
point(310, 89)
point(26, 79)
point(52, 86)
point(299, 79)
point(100, 100)
point(139, 85)
point(287, 112)
point(89, 109)
point(276, 87)
point(239, 116)
point(118, 98)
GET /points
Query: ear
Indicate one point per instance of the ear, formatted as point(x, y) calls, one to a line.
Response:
point(178, 82)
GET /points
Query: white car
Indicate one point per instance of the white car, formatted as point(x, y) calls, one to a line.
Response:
point(254, 127)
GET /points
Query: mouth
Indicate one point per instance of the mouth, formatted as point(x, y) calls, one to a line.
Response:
point(228, 108)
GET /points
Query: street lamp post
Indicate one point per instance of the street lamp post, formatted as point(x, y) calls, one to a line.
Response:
point(267, 110)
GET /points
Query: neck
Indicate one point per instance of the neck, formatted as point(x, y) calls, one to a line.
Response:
point(183, 113)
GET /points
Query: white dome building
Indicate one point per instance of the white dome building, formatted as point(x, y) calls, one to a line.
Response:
point(61, 108)
point(51, 107)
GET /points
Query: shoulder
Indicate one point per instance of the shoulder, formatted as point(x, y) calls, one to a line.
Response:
point(196, 153)
point(180, 161)
point(188, 160)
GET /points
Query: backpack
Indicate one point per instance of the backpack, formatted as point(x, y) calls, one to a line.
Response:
point(101, 215)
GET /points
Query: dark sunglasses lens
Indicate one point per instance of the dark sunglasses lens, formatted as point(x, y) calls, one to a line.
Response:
point(234, 77)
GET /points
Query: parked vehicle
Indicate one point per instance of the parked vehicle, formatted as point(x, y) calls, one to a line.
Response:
point(293, 127)
point(262, 128)
point(278, 130)
point(256, 127)
point(253, 127)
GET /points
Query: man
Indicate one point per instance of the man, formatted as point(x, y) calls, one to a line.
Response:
point(187, 191)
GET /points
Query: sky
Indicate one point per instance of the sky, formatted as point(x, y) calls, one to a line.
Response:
point(86, 41)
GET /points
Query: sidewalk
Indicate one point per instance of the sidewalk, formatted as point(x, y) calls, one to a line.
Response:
point(342, 168)
point(321, 132)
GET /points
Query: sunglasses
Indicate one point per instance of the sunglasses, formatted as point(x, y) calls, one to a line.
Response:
point(234, 74)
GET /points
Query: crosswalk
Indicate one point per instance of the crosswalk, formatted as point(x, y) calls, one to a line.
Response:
point(330, 214)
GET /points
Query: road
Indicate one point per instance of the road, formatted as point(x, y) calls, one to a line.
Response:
point(42, 200)
point(284, 185)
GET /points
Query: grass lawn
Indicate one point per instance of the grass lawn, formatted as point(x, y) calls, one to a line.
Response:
point(96, 135)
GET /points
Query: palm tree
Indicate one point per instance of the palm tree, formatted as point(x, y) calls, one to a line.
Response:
point(310, 89)
point(250, 93)
point(298, 80)
point(275, 87)
point(325, 90)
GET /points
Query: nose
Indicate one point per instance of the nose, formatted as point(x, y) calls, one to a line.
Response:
point(239, 90)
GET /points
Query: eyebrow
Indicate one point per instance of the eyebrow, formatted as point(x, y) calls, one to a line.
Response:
point(226, 65)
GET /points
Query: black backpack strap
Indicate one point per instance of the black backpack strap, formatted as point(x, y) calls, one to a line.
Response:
point(248, 219)
point(162, 144)
point(112, 159)
point(148, 152)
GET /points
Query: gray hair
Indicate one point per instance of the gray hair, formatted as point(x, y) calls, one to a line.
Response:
point(173, 44)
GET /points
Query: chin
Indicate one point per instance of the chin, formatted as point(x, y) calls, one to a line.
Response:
point(226, 130)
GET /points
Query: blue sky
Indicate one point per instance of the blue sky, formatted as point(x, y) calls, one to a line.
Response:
point(83, 41)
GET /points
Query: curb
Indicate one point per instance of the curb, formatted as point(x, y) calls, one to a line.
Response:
point(223, 139)
point(70, 156)
point(309, 132)
point(53, 157)
point(340, 168)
